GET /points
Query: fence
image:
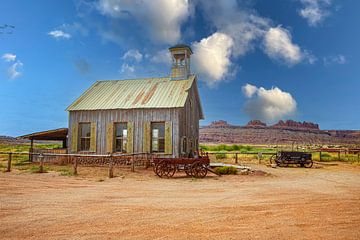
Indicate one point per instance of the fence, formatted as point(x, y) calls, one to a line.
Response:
point(146, 159)
point(111, 160)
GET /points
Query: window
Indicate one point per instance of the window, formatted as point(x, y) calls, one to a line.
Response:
point(158, 137)
point(85, 135)
point(120, 137)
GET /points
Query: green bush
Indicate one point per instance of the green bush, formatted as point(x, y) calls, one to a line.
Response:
point(220, 156)
point(226, 170)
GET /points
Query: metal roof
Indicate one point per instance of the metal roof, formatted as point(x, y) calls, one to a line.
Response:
point(181, 46)
point(54, 134)
point(136, 93)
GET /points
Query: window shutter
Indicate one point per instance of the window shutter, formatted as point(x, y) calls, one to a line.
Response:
point(93, 137)
point(168, 137)
point(110, 137)
point(74, 137)
point(147, 137)
point(130, 137)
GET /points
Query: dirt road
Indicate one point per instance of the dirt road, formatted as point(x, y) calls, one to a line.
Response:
point(292, 203)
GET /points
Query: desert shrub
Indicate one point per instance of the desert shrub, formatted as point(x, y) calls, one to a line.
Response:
point(220, 156)
point(325, 155)
point(226, 170)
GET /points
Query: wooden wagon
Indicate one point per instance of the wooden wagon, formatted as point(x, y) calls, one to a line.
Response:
point(195, 167)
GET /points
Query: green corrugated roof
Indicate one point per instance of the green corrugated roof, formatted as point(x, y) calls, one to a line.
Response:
point(136, 93)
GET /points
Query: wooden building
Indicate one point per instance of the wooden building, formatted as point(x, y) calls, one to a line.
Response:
point(157, 115)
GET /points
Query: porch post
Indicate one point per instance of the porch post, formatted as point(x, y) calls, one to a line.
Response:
point(64, 143)
point(31, 150)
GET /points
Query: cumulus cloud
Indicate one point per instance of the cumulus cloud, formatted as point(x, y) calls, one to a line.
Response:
point(249, 90)
point(246, 29)
point(162, 19)
point(9, 57)
point(14, 70)
point(133, 54)
point(315, 11)
point(233, 18)
point(278, 45)
point(337, 59)
point(268, 105)
point(162, 57)
point(15, 67)
point(59, 34)
point(212, 57)
point(126, 68)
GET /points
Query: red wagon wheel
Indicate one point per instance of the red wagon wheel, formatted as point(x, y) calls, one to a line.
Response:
point(198, 170)
point(165, 169)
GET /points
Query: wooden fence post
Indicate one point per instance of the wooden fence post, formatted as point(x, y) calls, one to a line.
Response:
point(111, 171)
point(146, 161)
point(320, 156)
point(339, 155)
point(75, 166)
point(132, 164)
point(9, 163)
point(236, 158)
point(41, 168)
point(260, 157)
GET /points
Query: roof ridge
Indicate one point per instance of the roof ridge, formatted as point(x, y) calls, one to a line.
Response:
point(132, 79)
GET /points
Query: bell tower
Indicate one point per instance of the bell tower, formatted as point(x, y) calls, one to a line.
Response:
point(180, 55)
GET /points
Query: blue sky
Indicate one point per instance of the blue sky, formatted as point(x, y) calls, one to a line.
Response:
point(269, 60)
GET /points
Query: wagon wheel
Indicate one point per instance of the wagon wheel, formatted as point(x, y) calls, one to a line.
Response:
point(187, 169)
point(308, 163)
point(273, 159)
point(300, 163)
point(165, 169)
point(198, 170)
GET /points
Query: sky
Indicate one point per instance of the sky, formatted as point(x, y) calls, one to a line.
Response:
point(254, 59)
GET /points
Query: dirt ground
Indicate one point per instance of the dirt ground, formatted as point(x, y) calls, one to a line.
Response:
point(290, 203)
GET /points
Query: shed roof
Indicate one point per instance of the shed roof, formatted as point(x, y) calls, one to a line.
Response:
point(136, 93)
point(54, 134)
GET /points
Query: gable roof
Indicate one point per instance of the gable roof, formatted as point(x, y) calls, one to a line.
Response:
point(136, 93)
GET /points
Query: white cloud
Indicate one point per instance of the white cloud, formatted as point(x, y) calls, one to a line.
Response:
point(249, 90)
point(133, 54)
point(162, 57)
point(278, 45)
point(162, 19)
point(212, 57)
point(338, 59)
point(58, 34)
point(268, 105)
point(14, 71)
point(314, 11)
point(126, 68)
point(233, 18)
point(9, 57)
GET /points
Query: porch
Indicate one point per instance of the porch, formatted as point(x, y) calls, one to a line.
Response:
point(59, 134)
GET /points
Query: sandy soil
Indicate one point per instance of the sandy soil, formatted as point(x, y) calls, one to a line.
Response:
point(291, 203)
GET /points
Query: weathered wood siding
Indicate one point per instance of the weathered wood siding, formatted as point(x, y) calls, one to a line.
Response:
point(189, 120)
point(138, 116)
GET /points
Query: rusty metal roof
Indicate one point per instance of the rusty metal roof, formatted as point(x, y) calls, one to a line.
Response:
point(136, 93)
point(54, 134)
